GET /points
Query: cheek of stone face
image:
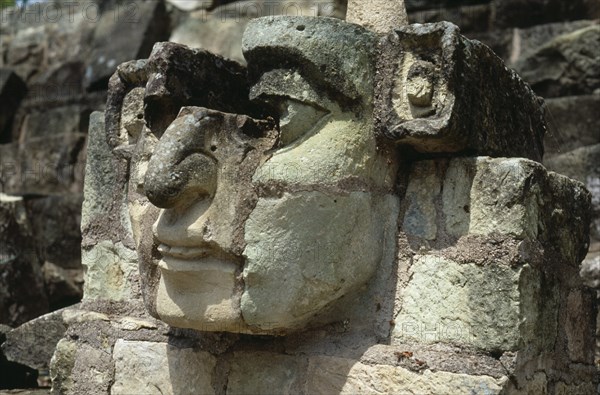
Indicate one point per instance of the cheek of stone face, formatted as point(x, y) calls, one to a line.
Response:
point(307, 249)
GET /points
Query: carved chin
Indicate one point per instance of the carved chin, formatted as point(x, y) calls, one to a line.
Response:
point(200, 295)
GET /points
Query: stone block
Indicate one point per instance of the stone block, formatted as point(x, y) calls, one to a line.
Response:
point(49, 122)
point(469, 99)
point(572, 123)
point(61, 366)
point(50, 165)
point(32, 344)
point(126, 33)
point(110, 271)
point(93, 371)
point(524, 13)
point(264, 372)
point(469, 18)
point(22, 293)
point(568, 65)
point(483, 196)
point(104, 205)
point(332, 375)
point(55, 223)
point(449, 302)
point(582, 164)
point(159, 368)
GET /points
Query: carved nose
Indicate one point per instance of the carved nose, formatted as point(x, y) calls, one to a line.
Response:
point(182, 168)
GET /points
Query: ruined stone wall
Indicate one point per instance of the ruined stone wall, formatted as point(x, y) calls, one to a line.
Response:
point(54, 73)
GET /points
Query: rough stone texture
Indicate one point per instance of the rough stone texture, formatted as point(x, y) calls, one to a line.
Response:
point(344, 70)
point(567, 65)
point(14, 375)
point(312, 253)
point(262, 372)
point(583, 164)
point(159, 368)
point(137, 26)
point(47, 165)
point(523, 13)
point(220, 30)
point(32, 344)
point(572, 123)
point(22, 293)
point(329, 375)
point(108, 271)
point(61, 366)
point(33, 53)
point(95, 368)
point(470, 18)
point(479, 106)
point(483, 199)
point(444, 302)
point(380, 16)
point(102, 213)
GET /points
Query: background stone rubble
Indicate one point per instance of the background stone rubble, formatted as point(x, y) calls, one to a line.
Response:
point(54, 70)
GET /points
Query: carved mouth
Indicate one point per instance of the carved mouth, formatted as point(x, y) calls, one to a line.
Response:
point(187, 253)
point(194, 259)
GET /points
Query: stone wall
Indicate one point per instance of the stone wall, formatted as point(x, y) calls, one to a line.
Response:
point(54, 70)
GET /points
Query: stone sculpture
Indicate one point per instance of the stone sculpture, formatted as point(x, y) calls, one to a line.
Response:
point(265, 226)
point(376, 198)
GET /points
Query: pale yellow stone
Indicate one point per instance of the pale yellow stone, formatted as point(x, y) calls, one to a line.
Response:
point(108, 268)
point(332, 375)
point(159, 368)
point(381, 16)
point(450, 302)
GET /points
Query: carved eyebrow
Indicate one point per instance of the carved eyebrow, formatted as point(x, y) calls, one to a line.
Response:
point(286, 83)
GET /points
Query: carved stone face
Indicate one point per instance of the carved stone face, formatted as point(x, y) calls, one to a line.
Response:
point(263, 228)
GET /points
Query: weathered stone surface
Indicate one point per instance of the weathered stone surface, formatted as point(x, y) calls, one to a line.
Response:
point(159, 368)
point(14, 375)
point(458, 311)
point(264, 372)
point(327, 375)
point(102, 213)
point(61, 366)
point(220, 30)
point(199, 32)
point(143, 24)
point(567, 65)
point(572, 123)
point(525, 42)
point(22, 294)
point(55, 121)
point(474, 102)
point(55, 223)
point(33, 343)
point(582, 164)
point(310, 253)
point(47, 165)
point(380, 16)
point(590, 269)
point(523, 13)
point(576, 389)
point(64, 286)
point(12, 90)
point(93, 370)
point(108, 272)
point(469, 18)
point(344, 70)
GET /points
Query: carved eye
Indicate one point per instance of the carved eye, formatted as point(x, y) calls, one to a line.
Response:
point(297, 118)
